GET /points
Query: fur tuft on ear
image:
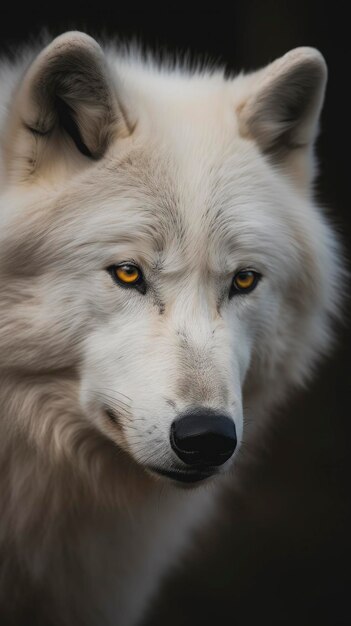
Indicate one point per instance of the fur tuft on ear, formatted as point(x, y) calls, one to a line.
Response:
point(65, 107)
point(282, 110)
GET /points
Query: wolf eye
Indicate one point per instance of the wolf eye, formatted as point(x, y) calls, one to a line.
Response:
point(244, 282)
point(127, 275)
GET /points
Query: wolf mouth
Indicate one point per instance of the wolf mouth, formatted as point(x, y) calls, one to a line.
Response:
point(183, 476)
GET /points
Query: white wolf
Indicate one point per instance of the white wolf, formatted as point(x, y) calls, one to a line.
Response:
point(162, 265)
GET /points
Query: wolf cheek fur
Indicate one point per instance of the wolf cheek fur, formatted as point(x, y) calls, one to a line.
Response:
point(190, 177)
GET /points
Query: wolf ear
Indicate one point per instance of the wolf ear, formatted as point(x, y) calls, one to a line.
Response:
point(65, 110)
point(282, 109)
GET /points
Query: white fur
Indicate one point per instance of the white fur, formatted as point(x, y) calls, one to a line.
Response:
point(193, 176)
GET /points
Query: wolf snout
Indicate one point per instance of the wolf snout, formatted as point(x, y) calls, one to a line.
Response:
point(203, 438)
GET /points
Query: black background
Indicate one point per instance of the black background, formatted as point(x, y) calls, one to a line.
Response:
point(279, 554)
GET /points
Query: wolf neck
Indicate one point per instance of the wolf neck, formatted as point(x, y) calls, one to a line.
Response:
point(73, 509)
point(58, 464)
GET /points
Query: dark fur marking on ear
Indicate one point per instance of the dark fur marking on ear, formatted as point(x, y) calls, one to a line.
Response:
point(69, 124)
point(36, 131)
point(72, 92)
point(282, 116)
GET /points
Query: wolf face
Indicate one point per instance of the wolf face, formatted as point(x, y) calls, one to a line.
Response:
point(158, 241)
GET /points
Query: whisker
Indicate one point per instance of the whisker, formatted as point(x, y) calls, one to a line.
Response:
point(116, 391)
point(116, 400)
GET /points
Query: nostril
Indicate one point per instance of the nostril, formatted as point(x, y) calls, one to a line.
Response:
point(203, 437)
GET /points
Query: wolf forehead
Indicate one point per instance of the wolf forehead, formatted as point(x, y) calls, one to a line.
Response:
point(150, 206)
point(199, 206)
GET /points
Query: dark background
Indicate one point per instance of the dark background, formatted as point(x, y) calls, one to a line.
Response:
point(280, 552)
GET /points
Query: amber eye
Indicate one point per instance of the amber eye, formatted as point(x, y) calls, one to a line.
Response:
point(244, 282)
point(128, 275)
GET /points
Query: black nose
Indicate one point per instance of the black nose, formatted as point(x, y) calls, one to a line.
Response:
point(203, 437)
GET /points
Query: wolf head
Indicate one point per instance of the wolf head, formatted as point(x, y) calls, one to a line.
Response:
point(158, 239)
